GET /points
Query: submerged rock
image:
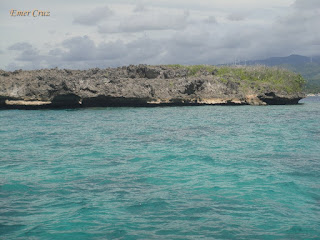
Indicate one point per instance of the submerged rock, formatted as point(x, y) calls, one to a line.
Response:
point(145, 85)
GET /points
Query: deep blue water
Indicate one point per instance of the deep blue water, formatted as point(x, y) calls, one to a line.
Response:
point(212, 172)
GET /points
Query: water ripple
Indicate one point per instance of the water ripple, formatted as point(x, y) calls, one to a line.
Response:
point(161, 173)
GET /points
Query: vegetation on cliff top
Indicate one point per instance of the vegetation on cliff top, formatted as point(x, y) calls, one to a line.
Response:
point(257, 77)
point(311, 72)
point(308, 67)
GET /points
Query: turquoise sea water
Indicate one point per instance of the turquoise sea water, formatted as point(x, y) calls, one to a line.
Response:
point(212, 172)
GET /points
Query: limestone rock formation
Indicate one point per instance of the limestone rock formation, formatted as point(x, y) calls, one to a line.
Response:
point(140, 85)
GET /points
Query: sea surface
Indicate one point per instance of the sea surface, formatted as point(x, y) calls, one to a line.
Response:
point(211, 172)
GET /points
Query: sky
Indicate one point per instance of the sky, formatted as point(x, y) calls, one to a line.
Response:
point(82, 34)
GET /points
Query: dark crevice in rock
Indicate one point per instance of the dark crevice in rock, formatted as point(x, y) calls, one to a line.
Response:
point(2, 102)
point(193, 87)
point(270, 94)
point(107, 101)
point(26, 107)
point(89, 90)
point(66, 100)
point(65, 86)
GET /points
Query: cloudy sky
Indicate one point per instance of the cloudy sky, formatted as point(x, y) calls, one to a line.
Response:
point(85, 34)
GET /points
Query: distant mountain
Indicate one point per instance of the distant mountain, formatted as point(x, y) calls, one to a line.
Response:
point(308, 67)
point(295, 60)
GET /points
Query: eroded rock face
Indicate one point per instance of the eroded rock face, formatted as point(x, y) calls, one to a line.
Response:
point(140, 85)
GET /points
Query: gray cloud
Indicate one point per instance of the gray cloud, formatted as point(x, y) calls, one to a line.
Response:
point(77, 52)
point(29, 55)
point(94, 17)
point(185, 47)
point(298, 28)
point(151, 20)
point(307, 4)
point(20, 46)
point(236, 17)
point(211, 20)
point(111, 50)
point(140, 8)
point(79, 48)
point(26, 52)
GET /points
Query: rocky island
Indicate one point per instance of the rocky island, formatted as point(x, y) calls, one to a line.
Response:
point(144, 85)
